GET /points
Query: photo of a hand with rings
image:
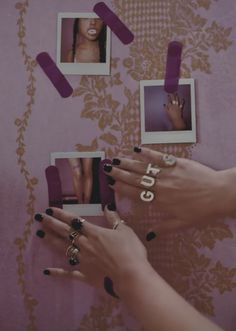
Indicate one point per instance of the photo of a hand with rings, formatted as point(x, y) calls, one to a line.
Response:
point(187, 191)
point(174, 109)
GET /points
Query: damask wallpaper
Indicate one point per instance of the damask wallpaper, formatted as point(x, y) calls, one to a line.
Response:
point(104, 114)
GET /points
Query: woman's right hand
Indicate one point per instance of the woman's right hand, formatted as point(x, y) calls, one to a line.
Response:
point(187, 191)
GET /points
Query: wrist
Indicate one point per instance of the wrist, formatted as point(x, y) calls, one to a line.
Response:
point(133, 277)
point(228, 188)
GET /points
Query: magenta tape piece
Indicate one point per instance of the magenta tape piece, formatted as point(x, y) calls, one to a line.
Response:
point(54, 74)
point(54, 187)
point(114, 23)
point(173, 66)
point(106, 193)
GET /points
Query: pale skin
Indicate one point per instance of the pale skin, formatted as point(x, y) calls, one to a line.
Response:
point(120, 255)
point(190, 193)
point(87, 48)
point(174, 110)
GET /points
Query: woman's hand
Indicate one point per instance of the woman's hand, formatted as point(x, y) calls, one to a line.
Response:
point(174, 110)
point(103, 252)
point(188, 191)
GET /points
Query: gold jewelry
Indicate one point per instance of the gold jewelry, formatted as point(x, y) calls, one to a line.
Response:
point(72, 252)
point(174, 102)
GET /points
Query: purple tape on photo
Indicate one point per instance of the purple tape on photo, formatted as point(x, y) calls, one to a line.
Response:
point(54, 187)
point(173, 66)
point(114, 23)
point(54, 74)
point(106, 193)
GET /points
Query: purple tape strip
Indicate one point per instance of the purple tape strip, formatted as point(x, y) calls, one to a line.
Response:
point(114, 23)
point(54, 187)
point(106, 193)
point(173, 66)
point(54, 74)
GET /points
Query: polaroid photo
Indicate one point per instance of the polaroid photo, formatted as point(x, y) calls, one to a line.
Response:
point(83, 44)
point(167, 118)
point(79, 175)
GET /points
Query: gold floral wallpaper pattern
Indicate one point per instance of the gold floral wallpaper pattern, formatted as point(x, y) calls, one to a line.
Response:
point(154, 23)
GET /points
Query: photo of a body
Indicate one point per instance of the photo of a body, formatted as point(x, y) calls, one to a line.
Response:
point(83, 44)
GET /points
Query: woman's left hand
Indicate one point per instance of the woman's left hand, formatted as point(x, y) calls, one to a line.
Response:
point(103, 252)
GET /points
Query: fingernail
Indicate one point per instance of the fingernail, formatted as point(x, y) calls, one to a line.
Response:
point(38, 217)
point(150, 236)
point(76, 224)
point(137, 149)
point(49, 211)
point(108, 286)
point(107, 167)
point(46, 272)
point(164, 104)
point(40, 233)
point(111, 206)
point(115, 162)
point(111, 181)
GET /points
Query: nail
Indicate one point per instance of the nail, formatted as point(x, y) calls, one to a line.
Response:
point(49, 211)
point(111, 181)
point(150, 236)
point(40, 233)
point(76, 224)
point(108, 286)
point(111, 206)
point(164, 104)
point(38, 217)
point(137, 149)
point(115, 162)
point(107, 167)
point(46, 272)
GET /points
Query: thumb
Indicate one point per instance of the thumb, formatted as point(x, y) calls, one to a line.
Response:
point(167, 226)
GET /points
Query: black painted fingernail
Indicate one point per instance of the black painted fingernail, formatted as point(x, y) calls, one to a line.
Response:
point(108, 286)
point(111, 206)
point(107, 167)
point(150, 236)
point(38, 217)
point(164, 104)
point(111, 181)
point(46, 272)
point(76, 224)
point(115, 162)
point(49, 211)
point(40, 233)
point(137, 149)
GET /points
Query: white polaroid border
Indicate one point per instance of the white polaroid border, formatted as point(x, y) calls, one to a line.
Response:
point(82, 68)
point(185, 136)
point(79, 209)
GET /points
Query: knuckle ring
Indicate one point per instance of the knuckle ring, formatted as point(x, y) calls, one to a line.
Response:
point(169, 160)
point(77, 224)
point(148, 182)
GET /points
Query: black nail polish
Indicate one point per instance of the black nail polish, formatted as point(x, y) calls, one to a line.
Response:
point(76, 224)
point(108, 286)
point(137, 149)
point(46, 272)
point(164, 104)
point(107, 167)
point(40, 233)
point(150, 236)
point(115, 162)
point(49, 211)
point(38, 217)
point(111, 206)
point(111, 181)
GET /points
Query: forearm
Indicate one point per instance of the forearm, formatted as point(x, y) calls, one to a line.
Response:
point(158, 307)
